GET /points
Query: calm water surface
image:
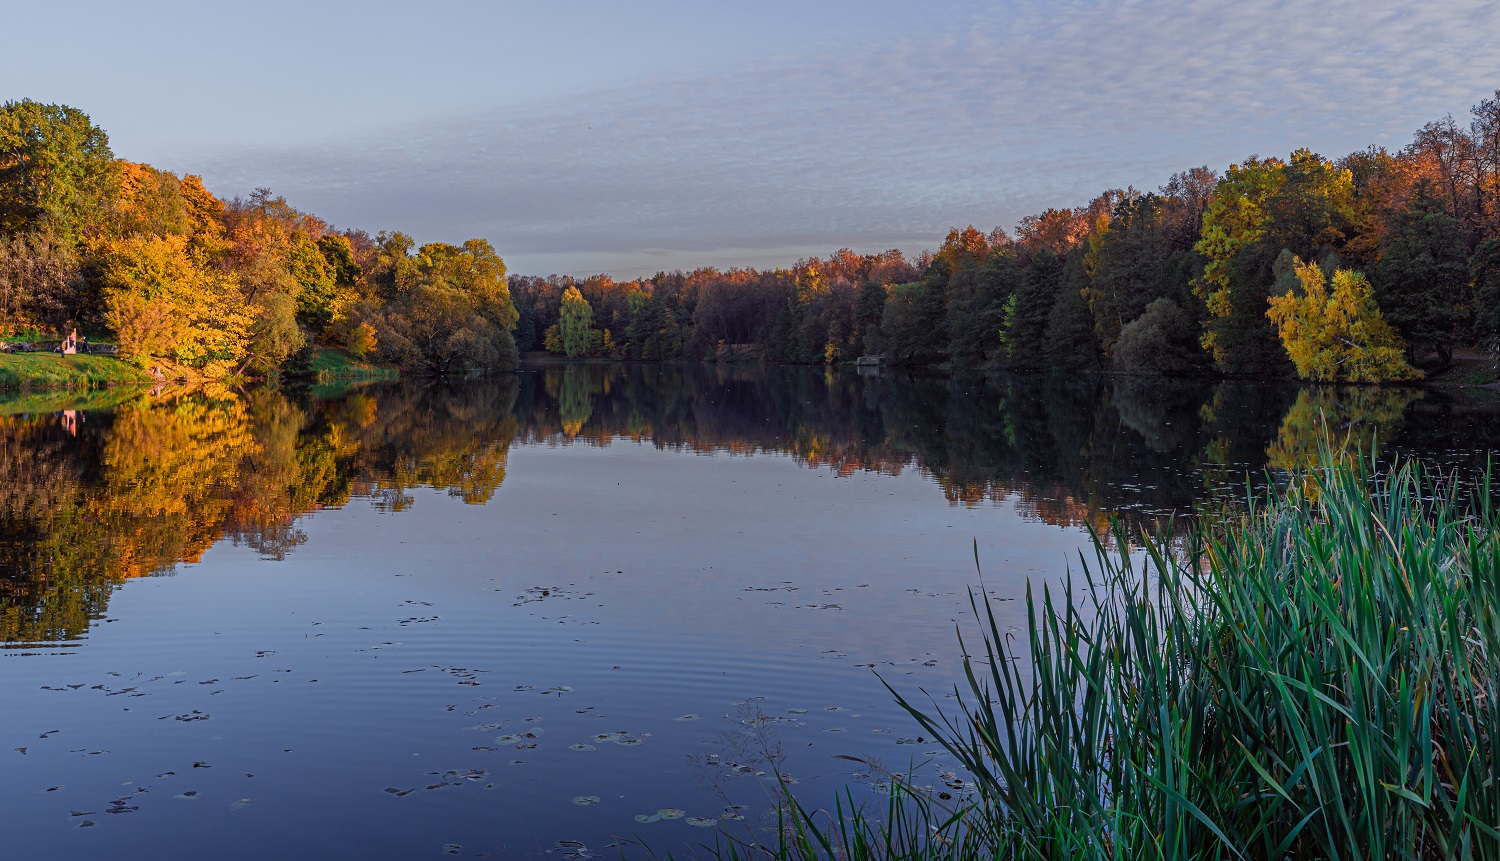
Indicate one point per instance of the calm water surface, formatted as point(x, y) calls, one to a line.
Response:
point(480, 619)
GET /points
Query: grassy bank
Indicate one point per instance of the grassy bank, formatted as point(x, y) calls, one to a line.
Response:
point(1314, 681)
point(331, 364)
point(54, 371)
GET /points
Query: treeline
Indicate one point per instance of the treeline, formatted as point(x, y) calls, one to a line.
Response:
point(1362, 268)
point(193, 286)
point(1365, 268)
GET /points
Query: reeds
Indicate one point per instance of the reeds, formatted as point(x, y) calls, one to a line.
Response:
point(1314, 680)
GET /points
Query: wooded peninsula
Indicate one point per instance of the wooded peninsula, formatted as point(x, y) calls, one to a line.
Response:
point(1372, 267)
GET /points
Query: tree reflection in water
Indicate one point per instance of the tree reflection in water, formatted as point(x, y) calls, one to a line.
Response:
point(140, 487)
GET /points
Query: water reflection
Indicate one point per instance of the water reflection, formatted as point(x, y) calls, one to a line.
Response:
point(94, 493)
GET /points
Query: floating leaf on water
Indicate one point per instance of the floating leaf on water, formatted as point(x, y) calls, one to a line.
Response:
point(628, 742)
point(532, 720)
point(835, 729)
point(581, 746)
point(643, 818)
point(687, 717)
point(796, 711)
point(671, 813)
point(508, 738)
point(906, 741)
point(452, 848)
point(573, 850)
point(606, 736)
point(243, 802)
point(700, 822)
point(188, 796)
point(586, 800)
point(560, 689)
point(518, 762)
point(87, 823)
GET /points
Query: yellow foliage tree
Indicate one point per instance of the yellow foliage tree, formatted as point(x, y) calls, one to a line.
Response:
point(166, 307)
point(1338, 335)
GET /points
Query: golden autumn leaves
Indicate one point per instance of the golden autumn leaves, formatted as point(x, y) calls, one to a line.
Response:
point(1333, 332)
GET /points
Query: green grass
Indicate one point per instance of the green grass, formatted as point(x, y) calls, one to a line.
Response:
point(333, 364)
point(51, 370)
point(1314, 680)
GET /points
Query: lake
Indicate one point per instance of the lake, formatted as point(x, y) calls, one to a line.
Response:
point(537, 615)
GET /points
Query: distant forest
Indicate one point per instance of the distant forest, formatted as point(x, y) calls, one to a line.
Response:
point(1375, 266)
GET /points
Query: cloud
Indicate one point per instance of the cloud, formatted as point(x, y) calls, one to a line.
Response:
point(983, 118)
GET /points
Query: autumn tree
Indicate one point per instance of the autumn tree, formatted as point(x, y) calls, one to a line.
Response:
point(1338, 335)
point(575, 326)
point(41, 281)
point(165, 306)
point(448, 308)
point(1259, 208)
point(55, 168)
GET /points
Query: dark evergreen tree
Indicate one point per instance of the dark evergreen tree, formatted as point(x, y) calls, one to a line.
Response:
point(1422, 277)
point(1025, 334)
point(1484, 273)
point(1070, 341)
point(867, 313)
point(976, 308)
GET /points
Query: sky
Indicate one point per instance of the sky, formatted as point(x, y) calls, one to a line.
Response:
point(631, 136)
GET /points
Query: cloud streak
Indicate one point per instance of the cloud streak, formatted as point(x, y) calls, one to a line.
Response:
point(982, 118)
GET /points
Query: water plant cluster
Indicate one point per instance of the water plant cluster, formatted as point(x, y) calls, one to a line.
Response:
point(1314, 680)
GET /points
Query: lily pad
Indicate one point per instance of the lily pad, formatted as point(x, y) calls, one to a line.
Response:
point(671, 813)
point(581, 746)
point(687, 717)
point(796, 711)
point(644, 818)
point(586, 800)
point(700, 822)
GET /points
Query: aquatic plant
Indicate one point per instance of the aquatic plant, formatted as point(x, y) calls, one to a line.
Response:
point(1314, 680)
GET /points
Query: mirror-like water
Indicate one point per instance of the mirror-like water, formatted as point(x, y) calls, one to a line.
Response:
point(576, 604)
